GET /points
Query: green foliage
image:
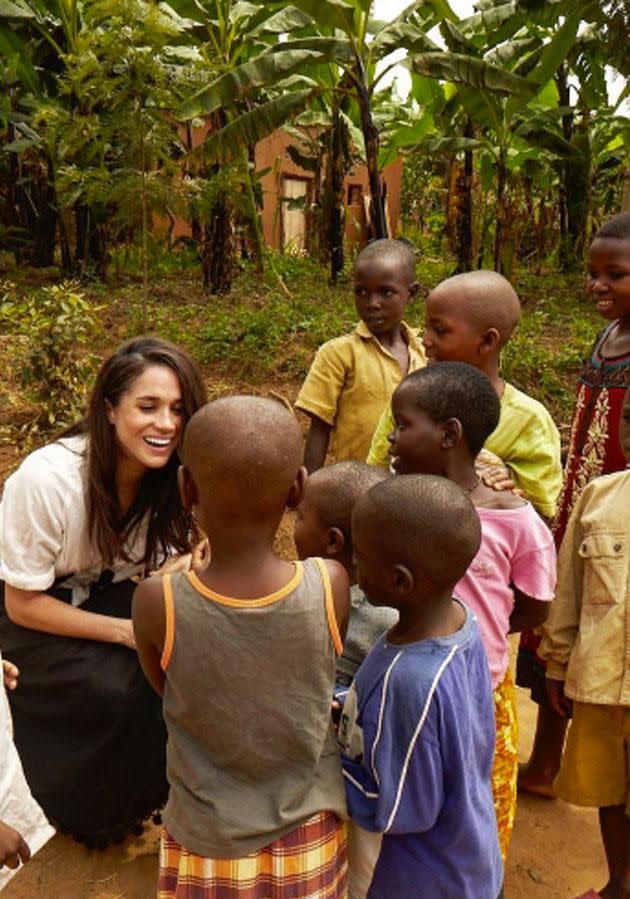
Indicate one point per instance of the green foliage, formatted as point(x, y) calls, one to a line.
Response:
point(258, 338)
point(545, 354)
point(50, 335)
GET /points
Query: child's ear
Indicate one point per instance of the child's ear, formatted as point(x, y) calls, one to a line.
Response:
point(490, 340)
point(404, 580)
point(451, 433)
point(296, 493)
point(187, 488)
point(335, 542)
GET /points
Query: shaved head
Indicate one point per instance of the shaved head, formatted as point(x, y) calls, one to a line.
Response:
point(423, 522)
point(244, 452)
point(334, 492)
point(400, 253)
point(486, 298)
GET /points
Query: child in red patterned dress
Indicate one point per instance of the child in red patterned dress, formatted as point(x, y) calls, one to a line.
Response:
point(594, 450)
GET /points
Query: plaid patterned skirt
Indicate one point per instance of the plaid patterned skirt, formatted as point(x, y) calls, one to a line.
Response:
point(310, 862)
point(505, 768)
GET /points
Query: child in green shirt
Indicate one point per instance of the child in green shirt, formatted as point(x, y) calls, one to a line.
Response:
point(470, 318)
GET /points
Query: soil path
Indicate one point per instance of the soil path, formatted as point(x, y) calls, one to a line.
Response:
point(555, 854)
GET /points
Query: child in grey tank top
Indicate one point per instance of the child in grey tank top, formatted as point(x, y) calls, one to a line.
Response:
point(323, 528)
point(244, 656)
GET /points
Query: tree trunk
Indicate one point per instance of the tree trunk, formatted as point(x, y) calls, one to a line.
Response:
point(64, 243)
point(218, 249)
point(217, 255)
point(464, 211)
point(371, 140)
point(451, 210)
point(499, 232)
point(335, 195)
point(32, 208)
point(91, 240)
point(145, 226)
point(569, 201)
point(578, 194)
point(256, 242)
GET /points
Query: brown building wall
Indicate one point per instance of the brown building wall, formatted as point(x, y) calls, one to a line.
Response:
point(271, 153)
point(282, 226)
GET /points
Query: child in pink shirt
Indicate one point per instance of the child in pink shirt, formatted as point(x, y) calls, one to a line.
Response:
point(517, 555)
point(443, 415)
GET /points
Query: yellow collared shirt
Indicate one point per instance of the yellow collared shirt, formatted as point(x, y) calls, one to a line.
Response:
point(349, 384)
point(586, 639)
point(526, 440)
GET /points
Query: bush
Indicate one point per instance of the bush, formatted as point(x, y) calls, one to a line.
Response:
point(49, 334)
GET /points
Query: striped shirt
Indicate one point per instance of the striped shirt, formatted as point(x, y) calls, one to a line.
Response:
point(417, 736)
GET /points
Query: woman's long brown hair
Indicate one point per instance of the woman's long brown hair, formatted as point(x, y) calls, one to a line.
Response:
point(169, 526)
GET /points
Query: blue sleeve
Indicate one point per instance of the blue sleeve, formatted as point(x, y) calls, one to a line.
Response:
point(398, 784)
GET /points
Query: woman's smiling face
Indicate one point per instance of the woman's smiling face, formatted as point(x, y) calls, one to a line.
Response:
point(148, 419)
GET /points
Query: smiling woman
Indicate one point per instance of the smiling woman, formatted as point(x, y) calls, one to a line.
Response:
point(79, 519)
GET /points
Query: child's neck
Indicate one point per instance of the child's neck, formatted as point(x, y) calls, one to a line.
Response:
point(424, 620)
point(345, 559)
point(617, 342)
point(461, 470)
point(396, 345)
point(490, 368)
point(244, 565)
point(393, 337)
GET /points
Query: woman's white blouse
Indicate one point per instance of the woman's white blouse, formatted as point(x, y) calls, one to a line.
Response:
point(44, 533)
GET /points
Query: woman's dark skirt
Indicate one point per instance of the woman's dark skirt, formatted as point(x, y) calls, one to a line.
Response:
point(88, 727)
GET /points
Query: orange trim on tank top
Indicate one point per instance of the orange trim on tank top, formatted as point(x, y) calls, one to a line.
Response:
point(249, 603)
point(169, 622)
point(331, 616)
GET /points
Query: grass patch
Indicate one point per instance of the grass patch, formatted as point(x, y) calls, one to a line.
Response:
point(264, 334)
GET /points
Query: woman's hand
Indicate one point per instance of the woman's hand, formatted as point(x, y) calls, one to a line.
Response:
point(173, 565)
point(13, 848)
point(41, 612)
point(10, 674)
point(125, 634)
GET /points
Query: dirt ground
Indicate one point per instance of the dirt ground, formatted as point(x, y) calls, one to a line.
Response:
point(555, 854)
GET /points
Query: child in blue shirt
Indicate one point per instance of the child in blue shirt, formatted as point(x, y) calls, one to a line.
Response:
point(417, 728)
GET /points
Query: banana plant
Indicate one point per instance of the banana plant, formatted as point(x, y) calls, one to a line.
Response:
point(35, 35)
point(502, 62)
point(226, 35)
point(338, 32)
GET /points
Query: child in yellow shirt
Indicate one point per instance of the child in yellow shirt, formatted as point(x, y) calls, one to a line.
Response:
point(353, 376)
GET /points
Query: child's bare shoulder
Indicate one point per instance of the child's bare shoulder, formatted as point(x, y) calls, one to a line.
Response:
point(488, 498)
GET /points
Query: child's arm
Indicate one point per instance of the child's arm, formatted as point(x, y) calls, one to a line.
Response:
point(532, 575)
point(340, 585)
point(404, 763)
point(561, 628)
point(10, 674)
point(317, 441)
point(319, 397)
point(528, 613)
point(13, 848)
point(149, 625)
